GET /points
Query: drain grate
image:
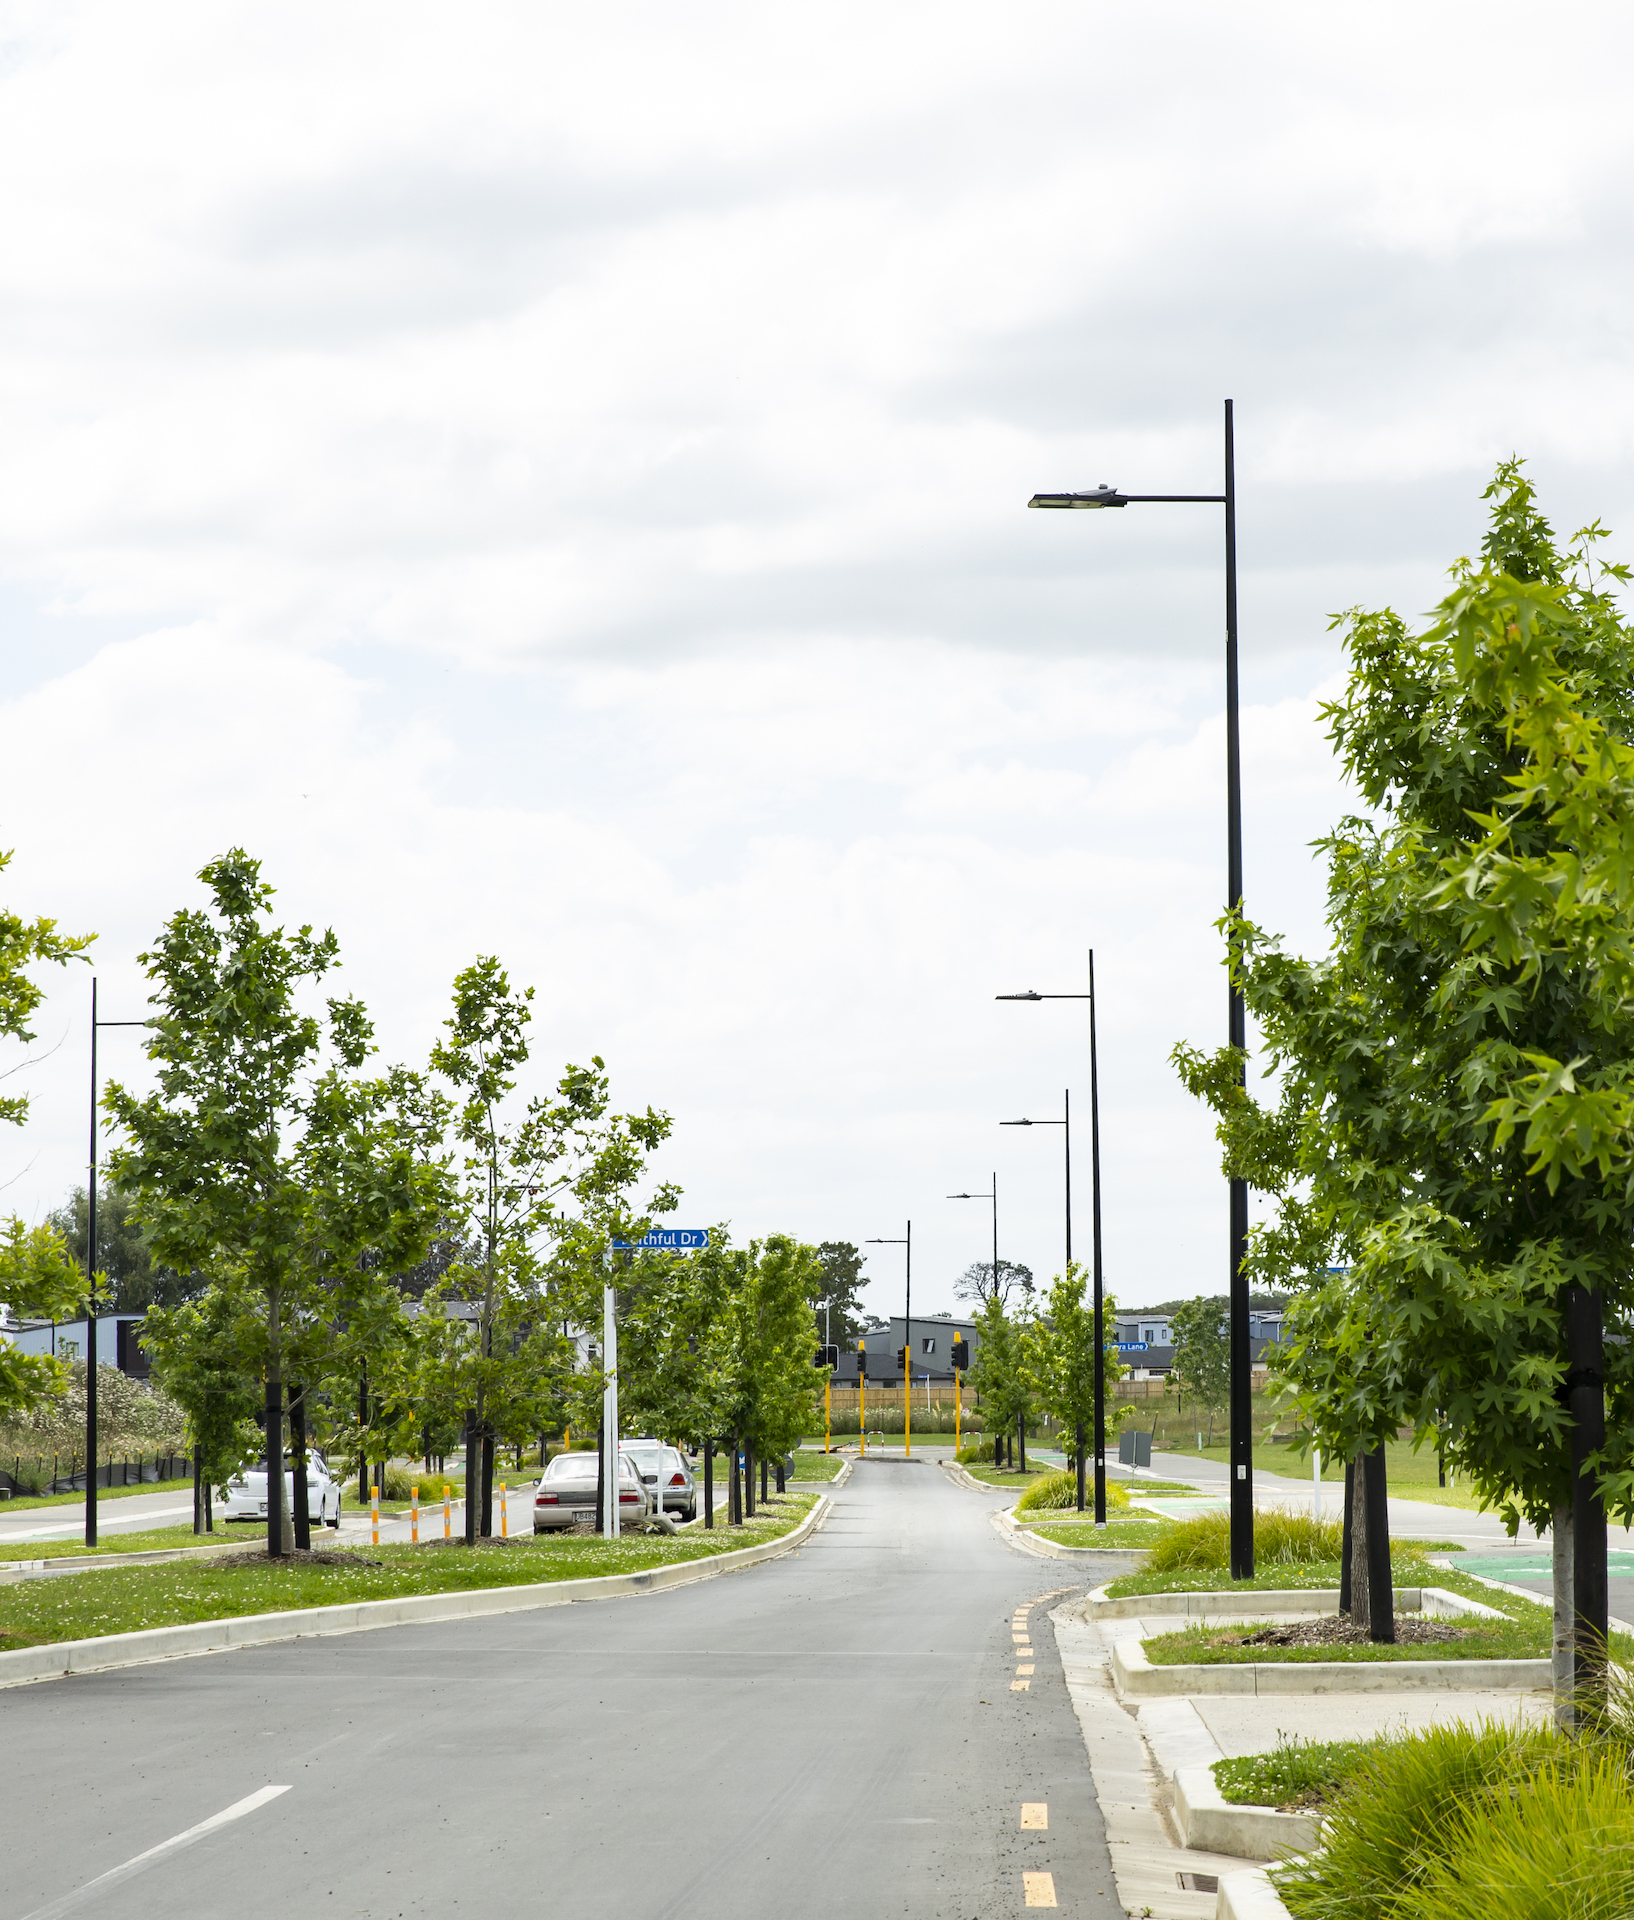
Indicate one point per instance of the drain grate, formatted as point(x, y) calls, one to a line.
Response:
point(1199, 1882)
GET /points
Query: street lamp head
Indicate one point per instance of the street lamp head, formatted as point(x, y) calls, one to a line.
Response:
point(1028, 995)
point(1015, 1123)
point(1103, 496)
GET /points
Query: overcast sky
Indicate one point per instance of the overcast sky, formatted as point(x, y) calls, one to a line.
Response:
point(550, 482)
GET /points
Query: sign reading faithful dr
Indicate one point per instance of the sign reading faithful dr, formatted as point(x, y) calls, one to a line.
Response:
point(659, 1240)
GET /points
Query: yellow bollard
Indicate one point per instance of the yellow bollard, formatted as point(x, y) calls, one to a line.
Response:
point(414, 1516)
point(374, 1513)
point(504, 1522)
point(448, 1514)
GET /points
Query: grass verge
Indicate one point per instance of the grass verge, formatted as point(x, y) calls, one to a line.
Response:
point(1406, 1558)
point(1296, 1775)
point(126, 1600)
point(1121, 1534)
point(104, 1494)
point(148, 1540)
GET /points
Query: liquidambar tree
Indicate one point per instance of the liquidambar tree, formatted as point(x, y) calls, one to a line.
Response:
point(1451, 1151)
point(261, 1155)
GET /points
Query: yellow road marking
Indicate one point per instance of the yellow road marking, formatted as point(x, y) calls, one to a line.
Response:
point(1025, 1669)
point(1039, 1889)
point(1020, 1686)
point(1035, 1813)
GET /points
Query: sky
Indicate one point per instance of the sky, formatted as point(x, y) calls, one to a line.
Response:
point(551, 482)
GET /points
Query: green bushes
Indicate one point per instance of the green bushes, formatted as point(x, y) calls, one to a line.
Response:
point(1296, 1773)
point(1466, 1820)
point(1281, 1539)
point(1061, 1490)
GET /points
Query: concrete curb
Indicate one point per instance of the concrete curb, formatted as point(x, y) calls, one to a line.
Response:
point(1249, 1896)
point(1024, 1539)
point(960, 1478)
point(1135, 1678)
point(1249, 1604)
point(1210, 1823)
point(63, 1657)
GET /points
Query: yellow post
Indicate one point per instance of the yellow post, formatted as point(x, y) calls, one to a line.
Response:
point(374, 1513)
point(956, 1408)
point(414, 1515)
point(504, 1523)
point(448, 1514)
point(827, 1382)
point(907, 1401)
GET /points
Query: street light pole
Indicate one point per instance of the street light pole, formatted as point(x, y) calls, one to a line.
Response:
point(907, 1338)
point(1242, 1452)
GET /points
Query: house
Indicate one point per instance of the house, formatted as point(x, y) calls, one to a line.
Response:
point(118, 1341)
point(932, 1360)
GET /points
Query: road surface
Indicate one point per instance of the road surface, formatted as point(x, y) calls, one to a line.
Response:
point(834, 1732)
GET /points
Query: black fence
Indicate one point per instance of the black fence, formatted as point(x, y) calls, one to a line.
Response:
point(43, 1473)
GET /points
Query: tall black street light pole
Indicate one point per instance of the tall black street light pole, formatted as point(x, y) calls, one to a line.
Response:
point(1242, 1460)
point(1099, 1278)
point(90, 1286)
point(994, 1197)
point(906, 1243)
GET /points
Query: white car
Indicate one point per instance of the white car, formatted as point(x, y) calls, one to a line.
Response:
point(247, 1493)
point(566, 1496)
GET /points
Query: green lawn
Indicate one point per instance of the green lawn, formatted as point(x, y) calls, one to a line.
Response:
point(124, 1600)
point(1121, 1533)
point(1406, 1556)
point(149, 1540)
point(1002, 1477)
point(20, 1504)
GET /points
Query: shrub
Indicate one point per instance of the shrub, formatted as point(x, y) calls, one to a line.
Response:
point(1281, 1539)
point(1061, 1490)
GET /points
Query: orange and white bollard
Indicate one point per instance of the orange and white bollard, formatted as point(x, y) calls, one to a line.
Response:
point(414, 1515)
point(504, 1524)
point(374, 1513)
point(448, 1514)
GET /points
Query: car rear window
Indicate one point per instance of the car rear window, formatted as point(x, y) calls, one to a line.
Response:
point(571, 1466)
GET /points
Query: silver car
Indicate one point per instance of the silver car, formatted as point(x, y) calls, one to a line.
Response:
point(566, 1495)
point(665, 1467)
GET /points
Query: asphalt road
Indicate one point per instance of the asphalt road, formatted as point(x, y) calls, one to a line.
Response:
point(835, 1731)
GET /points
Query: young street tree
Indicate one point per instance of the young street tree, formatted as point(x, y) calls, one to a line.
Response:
point(1455, 1124)
point(1001, 1376)
point(1061, 1361)
point(1202, 1353)
point(260, 1156)
point(542, 1193)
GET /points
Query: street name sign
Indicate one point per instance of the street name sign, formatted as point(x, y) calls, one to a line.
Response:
point(666, 1240)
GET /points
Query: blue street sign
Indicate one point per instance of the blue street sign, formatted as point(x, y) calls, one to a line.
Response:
point(1132, 1346)
point(667, 1240)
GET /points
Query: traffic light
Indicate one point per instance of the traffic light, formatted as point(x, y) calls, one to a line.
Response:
point(961, 1356)
point(827, 1357)
point(862, 1361)
point(902, 1360)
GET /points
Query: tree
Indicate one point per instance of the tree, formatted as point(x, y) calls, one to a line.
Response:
point(1000, 1375)
point(558, 1169)
point(39, 1279)
point(1061, 1362)
point(1202, 1353)
point(260, 1155)
point(26, 943)
point(979, 1283)
point(203, 1354)
point(122, 1255)
point(1448, 1153)
point(834, 1303)
point(768, 1373)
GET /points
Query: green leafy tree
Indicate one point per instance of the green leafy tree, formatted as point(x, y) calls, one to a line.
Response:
point(204, 1354)
point(769, 1371)
point(834, 1305)
point(259, 1154)
point(134, 1283)
point(1060, 1360)
point(23, 944)
point(1202, 1355)
point(677, 1341)
point(543, 1188)
point(39, 1279)
point(1451, 1130)
point(1001, 1376)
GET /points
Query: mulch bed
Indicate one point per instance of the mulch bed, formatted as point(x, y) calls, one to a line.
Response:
point(309, 1557)
point(1338, 1631)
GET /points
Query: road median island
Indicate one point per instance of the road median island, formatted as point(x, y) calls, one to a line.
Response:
point(122, 1616)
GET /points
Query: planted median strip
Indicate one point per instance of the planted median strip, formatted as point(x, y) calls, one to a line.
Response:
point(119, 1600)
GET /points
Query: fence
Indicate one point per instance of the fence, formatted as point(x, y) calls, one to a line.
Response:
point(44, 1473)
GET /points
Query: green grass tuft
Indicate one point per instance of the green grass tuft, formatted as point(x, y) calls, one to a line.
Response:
point(1060, 1489)
point(1296, 1774)
point(1281, 1539)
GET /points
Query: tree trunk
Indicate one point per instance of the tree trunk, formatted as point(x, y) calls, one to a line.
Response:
point(209, 1509)
point(763, 1483)
point(604, 1525)
point(1565, 1638)
point(1361, 1589)
point(198, 1490)
point(782, 1482)
point(748, 1481)
point(362, 1442)
point(1347, 1562)
point(1021, 1439)
point(488, 1483)
point(473, 1477)
point(280, 1540)
point(1381, 1601)
point(709, 1484)
point(998, 1449)
point(1080, 1440)
point(302, 1529)
point(734, 1496)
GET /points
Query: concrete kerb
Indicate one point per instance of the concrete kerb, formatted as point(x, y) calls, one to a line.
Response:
point(1102, 1559)
point(1249, 1603)
point(12, 1571)
point(1210, 1823)
point(1135, 1678)
point(27, 1664)
point(1249, 1896)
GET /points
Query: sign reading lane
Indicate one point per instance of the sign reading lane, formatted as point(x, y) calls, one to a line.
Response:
point(667, 1240)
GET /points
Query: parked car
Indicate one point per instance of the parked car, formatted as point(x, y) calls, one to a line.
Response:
point(567, 1493)
point(666, 1467)
point(247, 1493)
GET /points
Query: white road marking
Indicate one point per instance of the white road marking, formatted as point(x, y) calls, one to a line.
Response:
point(175, 1844)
